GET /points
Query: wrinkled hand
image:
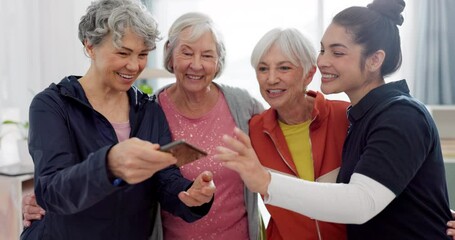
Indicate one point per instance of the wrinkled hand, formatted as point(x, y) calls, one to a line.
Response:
point(451, 226)
point(239, 156)
point(136, 160)
point(31, 210)
point(200, 192)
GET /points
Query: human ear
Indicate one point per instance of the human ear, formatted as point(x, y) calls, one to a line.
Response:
point(169, 65)
point(375, 61)
point(89, 49)
point(309, 76)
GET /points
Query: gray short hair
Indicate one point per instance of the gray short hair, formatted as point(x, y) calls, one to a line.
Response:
point(294, 45)
point(199, 24)
point(104, 17)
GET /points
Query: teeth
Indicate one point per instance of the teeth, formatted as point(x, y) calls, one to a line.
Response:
point(125, 76)
point(275, 91)
point(329, 75)
point(194, 77)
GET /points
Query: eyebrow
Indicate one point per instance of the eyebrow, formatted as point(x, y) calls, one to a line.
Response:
point(279, 63)
point(131, 50)
point(334, 45)
point(186, 46)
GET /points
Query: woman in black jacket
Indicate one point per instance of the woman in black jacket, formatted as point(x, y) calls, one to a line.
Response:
point(95, 139)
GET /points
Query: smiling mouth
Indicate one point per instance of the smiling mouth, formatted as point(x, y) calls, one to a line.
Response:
point(126, 76)
point(194, 77)
point(329, 76)
point(275, 92)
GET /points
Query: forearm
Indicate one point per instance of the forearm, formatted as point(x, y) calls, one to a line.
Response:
point(353, 203)
point(75, 188)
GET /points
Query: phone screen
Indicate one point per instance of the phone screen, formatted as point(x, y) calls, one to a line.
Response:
point(183, 151)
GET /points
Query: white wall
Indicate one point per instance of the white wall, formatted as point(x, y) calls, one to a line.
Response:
point(243, 22)
point(39, 45)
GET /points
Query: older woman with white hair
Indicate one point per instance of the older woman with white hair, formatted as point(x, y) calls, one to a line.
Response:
point(301, 135)
point(201, 112)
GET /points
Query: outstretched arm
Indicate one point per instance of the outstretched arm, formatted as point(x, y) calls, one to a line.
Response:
point(356, 202)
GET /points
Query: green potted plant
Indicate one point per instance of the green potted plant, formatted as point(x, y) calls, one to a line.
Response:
point(22, 127)
point(21, 142)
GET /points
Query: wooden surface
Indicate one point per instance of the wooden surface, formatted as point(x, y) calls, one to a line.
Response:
point(11, 191)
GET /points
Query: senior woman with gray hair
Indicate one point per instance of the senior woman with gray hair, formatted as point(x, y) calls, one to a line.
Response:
point(301, 135)
point(201, 112)
point(95, 139)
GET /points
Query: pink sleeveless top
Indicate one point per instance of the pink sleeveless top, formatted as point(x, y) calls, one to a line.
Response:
point(227, 218)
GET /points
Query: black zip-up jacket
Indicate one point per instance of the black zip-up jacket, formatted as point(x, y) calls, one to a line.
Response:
point(69, 141)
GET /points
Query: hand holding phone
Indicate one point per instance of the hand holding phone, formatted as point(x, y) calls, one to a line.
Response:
point(183, 151)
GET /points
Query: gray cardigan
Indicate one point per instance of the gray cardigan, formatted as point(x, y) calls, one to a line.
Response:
point(242, 106)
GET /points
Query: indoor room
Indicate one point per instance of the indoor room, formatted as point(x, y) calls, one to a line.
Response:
point(40, 46)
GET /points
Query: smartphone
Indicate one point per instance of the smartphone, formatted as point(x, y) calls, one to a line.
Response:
point(183, 151)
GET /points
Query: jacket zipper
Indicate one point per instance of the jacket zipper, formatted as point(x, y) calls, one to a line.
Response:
point(281, 155)
point(96, 112)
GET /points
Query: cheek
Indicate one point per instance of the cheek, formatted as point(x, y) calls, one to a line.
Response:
point(212, 66)
point(178, 64)
point(261, 78)
point(143, 63)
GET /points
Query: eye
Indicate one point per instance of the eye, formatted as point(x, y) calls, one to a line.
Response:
point(207, 56)
point(322, 51)
point(262, 69)
point(186, 53)
point(284, 68)
point(143, 55)
point(123, 54)
point(338, 54)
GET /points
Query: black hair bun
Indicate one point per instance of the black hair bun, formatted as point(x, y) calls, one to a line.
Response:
point(392, 9)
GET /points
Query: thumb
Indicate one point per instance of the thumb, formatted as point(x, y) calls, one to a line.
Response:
point(207, 176)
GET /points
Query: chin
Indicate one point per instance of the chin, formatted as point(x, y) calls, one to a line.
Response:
point(328, 90)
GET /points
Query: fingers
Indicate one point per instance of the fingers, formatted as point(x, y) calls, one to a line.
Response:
point(197, 197)
point(200, 192)
point(26, 223)
point(135, 160)
point(243, 137)
point(234, 144)
point(31, 210)
point(28, 199)
point(225, 155)
point(207, 176)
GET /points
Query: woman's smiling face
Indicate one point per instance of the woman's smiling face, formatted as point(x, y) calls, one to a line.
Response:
point(195, 63)
point(339, 62)
point(281, 82)
point(118, 68)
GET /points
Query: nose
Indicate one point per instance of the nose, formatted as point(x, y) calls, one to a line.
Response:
point(133, 64)
point(321, 61)
point(272, 77)
point(196, 63)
